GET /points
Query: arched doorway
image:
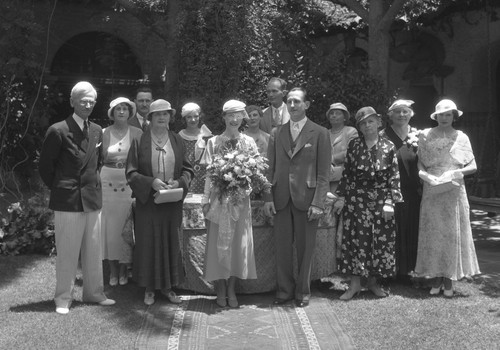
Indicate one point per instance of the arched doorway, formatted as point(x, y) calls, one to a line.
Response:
point(100, 58)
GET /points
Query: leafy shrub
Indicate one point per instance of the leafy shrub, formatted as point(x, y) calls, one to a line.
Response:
point(29, 228)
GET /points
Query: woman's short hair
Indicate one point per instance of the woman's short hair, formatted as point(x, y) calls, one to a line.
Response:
point(129, 107)
point(252, 108)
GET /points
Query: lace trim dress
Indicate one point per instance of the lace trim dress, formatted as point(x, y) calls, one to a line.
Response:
point(445, 243)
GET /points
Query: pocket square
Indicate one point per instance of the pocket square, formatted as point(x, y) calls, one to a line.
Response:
point(307, 145)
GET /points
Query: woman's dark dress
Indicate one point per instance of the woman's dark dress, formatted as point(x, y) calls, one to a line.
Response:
point(407, 212)
point(370, 180)
point(157, 262)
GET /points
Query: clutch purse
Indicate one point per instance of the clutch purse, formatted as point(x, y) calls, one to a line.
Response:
point(443, 187)
point(165, 196)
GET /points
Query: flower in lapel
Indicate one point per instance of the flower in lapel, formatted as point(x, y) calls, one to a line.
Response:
point(412, 139)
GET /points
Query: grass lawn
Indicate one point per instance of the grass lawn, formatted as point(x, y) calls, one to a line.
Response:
point(407, 319)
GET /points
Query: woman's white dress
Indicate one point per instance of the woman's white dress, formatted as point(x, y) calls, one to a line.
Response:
point(229, 256)
point(116, 197)
point(445, 243)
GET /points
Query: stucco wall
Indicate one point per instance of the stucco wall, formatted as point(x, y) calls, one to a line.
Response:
point(71, 19)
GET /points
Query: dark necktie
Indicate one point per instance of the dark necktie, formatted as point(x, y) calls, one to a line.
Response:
point(85, 130)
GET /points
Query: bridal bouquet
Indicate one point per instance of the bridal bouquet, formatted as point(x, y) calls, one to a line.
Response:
point(237, 174)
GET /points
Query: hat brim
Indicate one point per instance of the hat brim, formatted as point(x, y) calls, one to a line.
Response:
point(347, 115)
point(434, 115)
point(161, 110)
point(131, 104)
point(368, 116)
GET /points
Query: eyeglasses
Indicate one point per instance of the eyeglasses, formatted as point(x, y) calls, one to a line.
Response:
point(84, 103)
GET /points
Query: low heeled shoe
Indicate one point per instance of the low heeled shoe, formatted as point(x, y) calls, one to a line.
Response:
point(149, 298)
point(172, 297)
point(107, 302)
point(436, 290)
point(279, 301)
point(62, 310)
point(301, 303)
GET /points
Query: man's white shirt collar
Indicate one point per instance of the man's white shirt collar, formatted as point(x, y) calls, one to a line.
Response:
point(300, 123)
point(78, 120)
point(140, 118)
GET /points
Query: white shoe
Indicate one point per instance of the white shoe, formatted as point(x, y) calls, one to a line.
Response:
point(113, 281)
point(436, 290)
point(107, 302)
point(149, 298)
point(62, 310)
point(123, 280)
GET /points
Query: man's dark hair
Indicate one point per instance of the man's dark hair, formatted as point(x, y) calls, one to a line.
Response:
point(300, 89)
point(145, 89)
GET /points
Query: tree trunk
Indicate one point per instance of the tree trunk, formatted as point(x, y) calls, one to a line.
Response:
point(378, 43)
point(171, 55)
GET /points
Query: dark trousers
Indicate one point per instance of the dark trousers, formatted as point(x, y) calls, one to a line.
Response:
point(291, 225)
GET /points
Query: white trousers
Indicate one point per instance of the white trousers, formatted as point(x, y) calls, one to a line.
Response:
point(78, 234)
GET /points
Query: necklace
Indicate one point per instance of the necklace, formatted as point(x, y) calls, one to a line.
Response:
point(159, 139)
point(120, 134)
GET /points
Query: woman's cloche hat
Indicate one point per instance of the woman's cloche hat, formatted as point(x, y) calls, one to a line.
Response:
point(232, 106)
point(119, 100)
point(401, 103)
point(339, 106)
point(445, 106)
point(160, 105)
point(190, 107)
point(364, 113)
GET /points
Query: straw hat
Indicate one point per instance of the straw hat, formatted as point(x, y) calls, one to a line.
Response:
point(190, 107)
point(445, 106)
point(339, 106)
point(160, 105)
point(232, 106)
point(119, 100)
point(401, 103)
point(364, 113)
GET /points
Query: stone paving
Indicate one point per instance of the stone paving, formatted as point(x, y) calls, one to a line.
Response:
point(486, 232)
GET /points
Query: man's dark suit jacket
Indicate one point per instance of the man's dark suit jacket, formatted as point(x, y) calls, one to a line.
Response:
point(69, 166)
point(133, 121)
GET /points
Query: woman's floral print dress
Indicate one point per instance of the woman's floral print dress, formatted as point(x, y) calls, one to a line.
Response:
point(370, 179)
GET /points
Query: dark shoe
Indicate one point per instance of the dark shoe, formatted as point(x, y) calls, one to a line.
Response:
point(172, 297)
point(350, 293)
point(221, 301)
point(279, 301)
point(301, 303)
point(232, 302)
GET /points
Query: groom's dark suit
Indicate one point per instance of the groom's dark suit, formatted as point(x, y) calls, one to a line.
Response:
point(299, 174)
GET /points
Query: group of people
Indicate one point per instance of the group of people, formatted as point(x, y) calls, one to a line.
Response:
point(388, 224)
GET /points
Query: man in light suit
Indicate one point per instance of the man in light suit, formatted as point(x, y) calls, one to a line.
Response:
point(277, 113)
point(143, 99)
point(299, 155)
point(69, 166)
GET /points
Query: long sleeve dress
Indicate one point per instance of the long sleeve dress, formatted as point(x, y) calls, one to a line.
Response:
point(445, 244)
point(229, 250)
point(370, 180)
point(157, 253)
point(407, 212)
